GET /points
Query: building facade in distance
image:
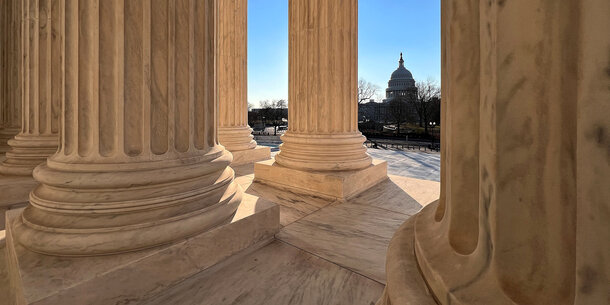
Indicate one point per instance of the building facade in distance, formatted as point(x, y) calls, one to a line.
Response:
point(401, 85)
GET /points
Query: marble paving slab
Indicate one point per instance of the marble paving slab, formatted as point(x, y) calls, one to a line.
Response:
point(4, 281)
point(423, 191)
point(390, 195)
point(244, 170)
point(354, 236)
point(244, 174)
point(293, 206)
point(277, 274)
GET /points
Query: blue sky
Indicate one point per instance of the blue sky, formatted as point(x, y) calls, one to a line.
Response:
point(386, 28)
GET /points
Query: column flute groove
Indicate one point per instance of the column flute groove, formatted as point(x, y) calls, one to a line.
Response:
point(111, 201)
point(323, 128)
point(232, 85)
point(322, 151)
point(42, 84)
point(10, 79)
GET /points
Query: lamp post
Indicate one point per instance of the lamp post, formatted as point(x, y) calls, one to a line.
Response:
point(432, 125)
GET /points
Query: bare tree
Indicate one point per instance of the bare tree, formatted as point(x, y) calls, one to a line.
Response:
point(398, 111)
point(273, 111)
point(427, 101)
point(366, 90)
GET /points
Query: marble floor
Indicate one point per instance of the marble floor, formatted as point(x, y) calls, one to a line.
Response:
point(417, 164)
point(327, 252)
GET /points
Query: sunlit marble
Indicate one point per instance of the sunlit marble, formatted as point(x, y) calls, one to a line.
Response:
point(277, 274)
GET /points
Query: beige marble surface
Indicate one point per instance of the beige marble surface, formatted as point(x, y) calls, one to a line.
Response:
point(293, 206)
point(353, 236)
point(423, 191)
point(116, 279)
point(340, 185)
point(258, 153)
point(334, 253)
point(5, 290)
point(523, 213)
point(276, 274)
point(405, 285)
point(15, 189)
point(138, 164)
point(399, 194)
point(323, 131)
point(232, 82)
point(10, 71)
point(41, 71)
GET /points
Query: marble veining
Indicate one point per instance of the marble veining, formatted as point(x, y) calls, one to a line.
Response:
point(293, 206)
point(354, 236)
point(276, 274)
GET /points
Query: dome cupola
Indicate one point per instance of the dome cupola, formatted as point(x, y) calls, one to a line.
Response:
point(401, 73)
point(401, 80)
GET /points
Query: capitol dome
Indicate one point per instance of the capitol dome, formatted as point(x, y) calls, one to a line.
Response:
point(401, 82)
point(402, 72)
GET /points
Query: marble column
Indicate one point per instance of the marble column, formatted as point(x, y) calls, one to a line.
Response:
point(322, 133)
point(42, 80)
point(10, 80)
point(522, 217)
point(232, 83)
point(323, 78)
point(139, 164)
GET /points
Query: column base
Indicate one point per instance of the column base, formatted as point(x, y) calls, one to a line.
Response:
point(404, 282)
point(340, 185)
point(133, 277)
point(15, 192)
point(27, 152)
point(259, 153)
point(5, 135)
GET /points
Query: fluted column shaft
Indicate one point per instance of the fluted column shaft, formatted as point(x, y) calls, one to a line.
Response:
point(232, 78)
point(42, 81)
point(525, 156)
point(10, 80)
point(139, 164)
point(323, 74)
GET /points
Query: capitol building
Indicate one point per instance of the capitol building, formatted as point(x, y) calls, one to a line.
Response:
point(401, 83)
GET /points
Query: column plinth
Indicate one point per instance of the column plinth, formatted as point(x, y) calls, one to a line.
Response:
point(232, 83)
point(322, 137)
point(138, 164)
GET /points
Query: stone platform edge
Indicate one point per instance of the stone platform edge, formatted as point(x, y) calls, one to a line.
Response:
point(14, 193)
point(132, 277)
point(259, 153)
point(341, 185)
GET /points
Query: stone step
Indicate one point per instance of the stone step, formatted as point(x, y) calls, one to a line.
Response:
point(5, 290)
point(277, 274)
point(130, 277)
